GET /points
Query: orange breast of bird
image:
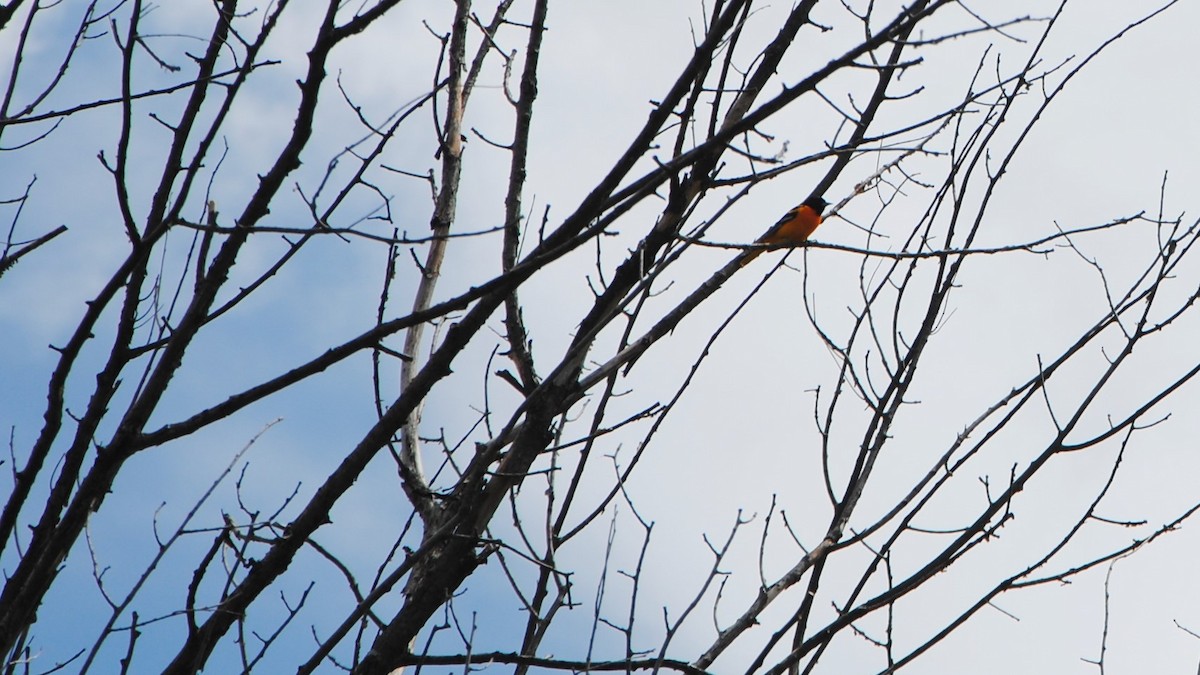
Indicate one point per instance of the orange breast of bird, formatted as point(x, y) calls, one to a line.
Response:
point(795, 227)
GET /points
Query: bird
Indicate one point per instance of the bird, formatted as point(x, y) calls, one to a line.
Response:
point(795, 227)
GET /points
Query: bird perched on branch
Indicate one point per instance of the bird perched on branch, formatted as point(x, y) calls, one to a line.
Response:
point(795, 227)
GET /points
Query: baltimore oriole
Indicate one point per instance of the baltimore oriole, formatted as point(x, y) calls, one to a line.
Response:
point(795, 227)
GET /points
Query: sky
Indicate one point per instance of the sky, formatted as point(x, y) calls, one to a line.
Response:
point(741, 440)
